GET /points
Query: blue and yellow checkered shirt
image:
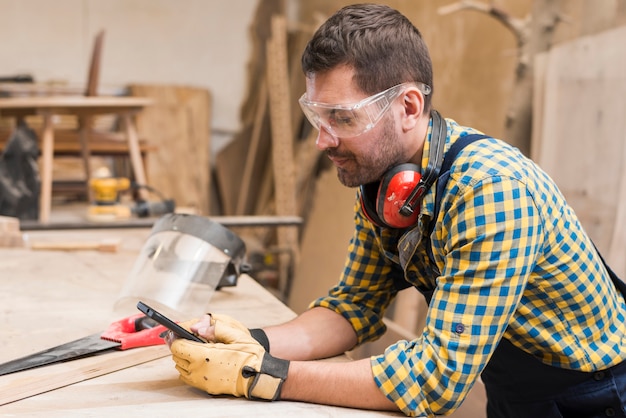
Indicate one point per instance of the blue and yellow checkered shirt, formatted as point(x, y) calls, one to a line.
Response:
point(512, 260)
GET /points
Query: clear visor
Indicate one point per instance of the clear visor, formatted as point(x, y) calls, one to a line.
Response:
point(182, 263)
point(350, 120)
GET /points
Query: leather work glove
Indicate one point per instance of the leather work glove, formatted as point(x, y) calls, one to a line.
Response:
point(239, 369)
point(229, 330)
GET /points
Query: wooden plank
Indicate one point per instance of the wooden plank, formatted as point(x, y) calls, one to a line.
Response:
point(70, 105)
point(47, 151)
point(107, 245)
point(252, 151)
point(282, 145)
point(135, 155)
point(22, 385)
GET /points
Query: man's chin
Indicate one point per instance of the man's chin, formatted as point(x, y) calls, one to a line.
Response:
point(351, 181)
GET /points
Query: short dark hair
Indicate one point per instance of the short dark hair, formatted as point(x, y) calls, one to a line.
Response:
point(382, 46)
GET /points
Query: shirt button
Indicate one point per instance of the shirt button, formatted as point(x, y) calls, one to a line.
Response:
point(609, 412)
point(598, 376)
point(459, 328)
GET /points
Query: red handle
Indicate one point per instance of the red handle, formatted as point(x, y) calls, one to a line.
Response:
point(126, 333)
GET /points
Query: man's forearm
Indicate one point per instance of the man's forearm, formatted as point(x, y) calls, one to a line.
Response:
point(348, 384)
point(317, 333)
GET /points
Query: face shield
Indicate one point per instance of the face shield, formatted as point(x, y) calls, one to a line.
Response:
point(181, 264)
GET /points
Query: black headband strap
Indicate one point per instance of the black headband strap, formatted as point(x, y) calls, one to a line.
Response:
point(435, 159)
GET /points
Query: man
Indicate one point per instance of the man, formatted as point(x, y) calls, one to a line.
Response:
point(517, 292)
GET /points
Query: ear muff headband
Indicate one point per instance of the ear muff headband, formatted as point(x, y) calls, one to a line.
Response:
point(435, 159)
point(401, 189)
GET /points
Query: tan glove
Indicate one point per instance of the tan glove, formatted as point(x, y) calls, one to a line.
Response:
point(229, 330)
point(239, 369)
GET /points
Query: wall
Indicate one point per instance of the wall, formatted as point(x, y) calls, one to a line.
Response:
point(201, 43)
point(474, 55)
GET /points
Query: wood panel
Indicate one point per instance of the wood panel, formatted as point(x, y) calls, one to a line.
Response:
point(178, 125)
point(581, 134)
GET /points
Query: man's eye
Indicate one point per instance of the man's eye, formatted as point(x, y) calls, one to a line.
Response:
point(343, 119)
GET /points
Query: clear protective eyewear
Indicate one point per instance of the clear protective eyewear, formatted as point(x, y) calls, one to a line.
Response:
point(350, 120)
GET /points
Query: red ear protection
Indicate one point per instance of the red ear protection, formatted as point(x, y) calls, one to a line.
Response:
point(394, 202)
point(393, 190)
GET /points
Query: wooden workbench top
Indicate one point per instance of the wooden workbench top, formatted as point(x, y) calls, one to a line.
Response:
point(53, 297)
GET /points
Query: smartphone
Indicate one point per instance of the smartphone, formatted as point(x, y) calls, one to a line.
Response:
point(168, 323)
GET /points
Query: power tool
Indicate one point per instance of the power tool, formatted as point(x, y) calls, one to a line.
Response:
point(106, 205)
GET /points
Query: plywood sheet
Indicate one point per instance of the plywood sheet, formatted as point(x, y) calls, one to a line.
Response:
point(178, 124)
point(581, 136)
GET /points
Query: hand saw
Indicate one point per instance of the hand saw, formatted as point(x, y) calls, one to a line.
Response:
point(131, 332)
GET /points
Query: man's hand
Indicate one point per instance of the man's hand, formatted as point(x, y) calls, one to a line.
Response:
point(239, 369)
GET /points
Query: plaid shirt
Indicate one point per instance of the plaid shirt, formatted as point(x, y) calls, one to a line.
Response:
point(512, 260)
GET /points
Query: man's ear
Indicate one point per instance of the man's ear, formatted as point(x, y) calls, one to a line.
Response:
point(413, 106)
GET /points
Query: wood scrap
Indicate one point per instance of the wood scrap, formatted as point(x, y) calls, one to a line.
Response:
point(105, 245)
point(10, 234)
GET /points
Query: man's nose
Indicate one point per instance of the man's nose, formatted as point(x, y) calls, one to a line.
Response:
point(326, 140)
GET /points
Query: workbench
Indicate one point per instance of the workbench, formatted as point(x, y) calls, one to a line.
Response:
point(53, 297)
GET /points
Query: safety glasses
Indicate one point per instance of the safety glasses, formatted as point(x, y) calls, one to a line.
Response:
point(350, 120)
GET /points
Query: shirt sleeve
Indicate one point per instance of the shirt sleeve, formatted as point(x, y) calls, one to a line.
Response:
point(366, 286)
point(485, 245)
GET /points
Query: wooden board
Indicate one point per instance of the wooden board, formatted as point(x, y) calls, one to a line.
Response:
point(22, 385)
point(282, 146)
point(178, 125)
point(581, 135)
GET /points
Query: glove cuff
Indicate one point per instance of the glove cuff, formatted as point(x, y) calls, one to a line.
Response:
point(267, 383)
point(261, 337)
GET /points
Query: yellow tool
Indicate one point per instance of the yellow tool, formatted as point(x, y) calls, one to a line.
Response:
point(106, 206)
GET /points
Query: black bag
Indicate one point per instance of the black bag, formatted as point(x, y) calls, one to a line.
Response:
point(20, 184)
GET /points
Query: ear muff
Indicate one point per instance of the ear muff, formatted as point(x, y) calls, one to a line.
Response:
point(395, 187)
point(394, 201)
point(381, 201)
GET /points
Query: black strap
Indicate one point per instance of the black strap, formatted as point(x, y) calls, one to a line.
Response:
point(438, 136)
point(442, 181)
point(444, 175)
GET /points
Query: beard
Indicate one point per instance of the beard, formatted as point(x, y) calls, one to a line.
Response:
point(372, 164)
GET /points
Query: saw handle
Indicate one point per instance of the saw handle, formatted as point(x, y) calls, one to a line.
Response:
point(135, 331)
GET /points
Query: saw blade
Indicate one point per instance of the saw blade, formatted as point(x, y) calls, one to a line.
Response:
point(69, 351)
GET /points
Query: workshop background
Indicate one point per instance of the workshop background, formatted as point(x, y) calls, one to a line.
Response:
point(228, 139)
point(225, 137)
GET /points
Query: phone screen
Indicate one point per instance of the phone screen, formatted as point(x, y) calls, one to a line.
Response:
point(168, 323)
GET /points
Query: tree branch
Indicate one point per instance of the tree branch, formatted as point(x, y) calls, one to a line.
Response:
point(519, 27)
